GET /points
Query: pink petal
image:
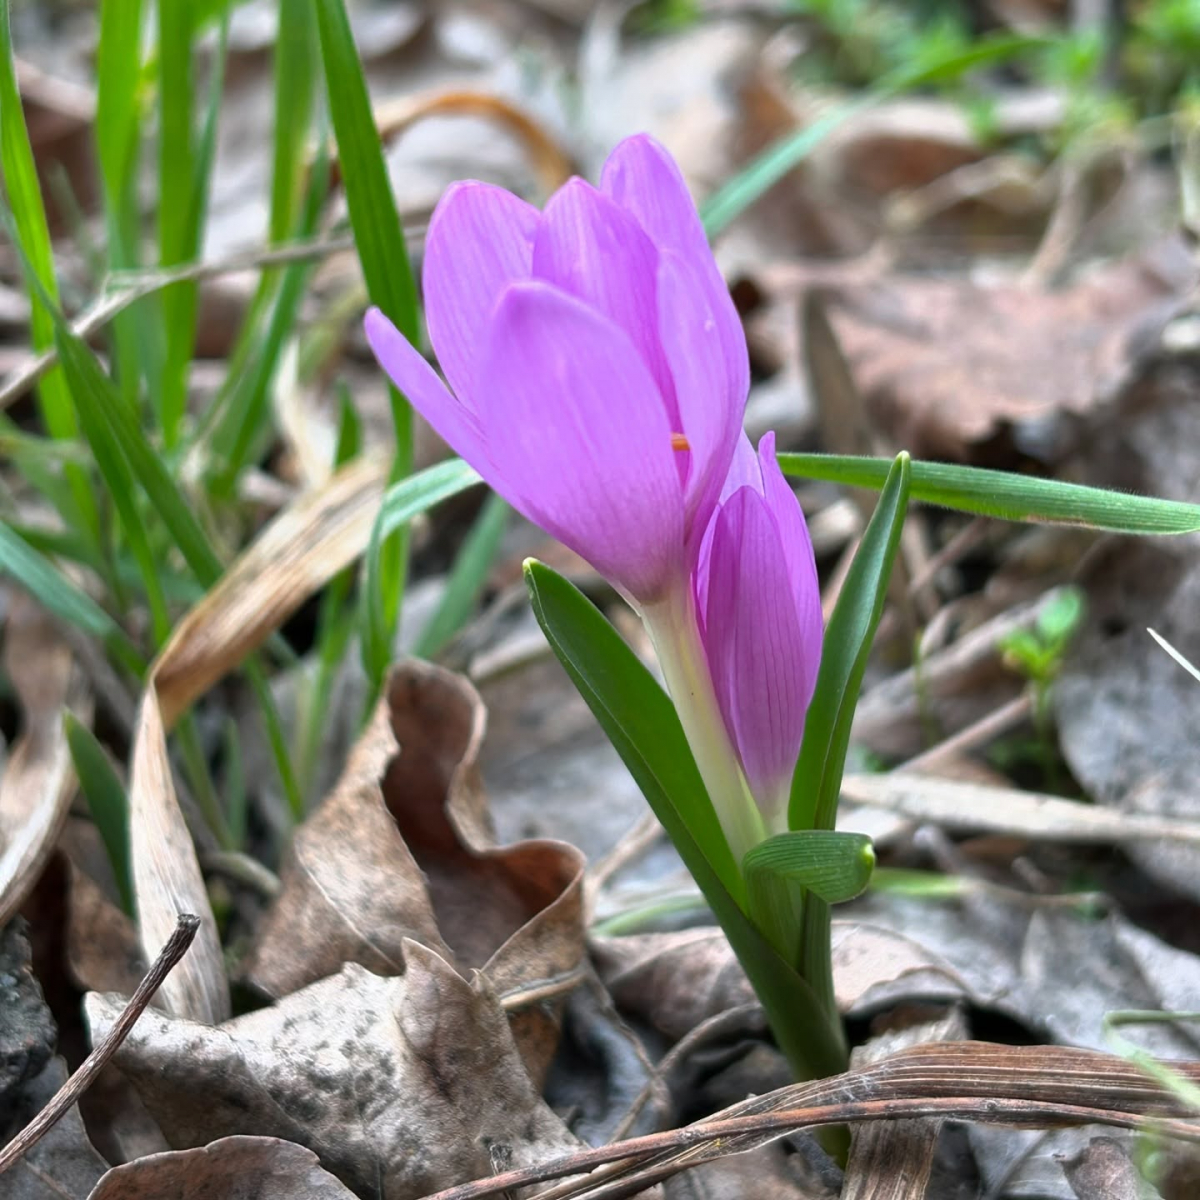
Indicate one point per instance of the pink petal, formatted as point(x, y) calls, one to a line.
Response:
point(590, 247)
point(799, 558)
point(644, 180)
point(691, 343)
point(480, 240)
point(574, 419)
point(754, 642)
point(455, 424)
point(744, 471)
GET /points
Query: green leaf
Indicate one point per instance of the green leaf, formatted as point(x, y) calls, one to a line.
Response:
point(58, 595)
point(817, 781)
point(1005, 495)
point(401, 502)
point(776, 161)
point(467, 579)
point(642, 725)
point(379, 238)
point(847, 646)
point(833, 865)
point(295, 89)
point(107, 802)
point(32, 236)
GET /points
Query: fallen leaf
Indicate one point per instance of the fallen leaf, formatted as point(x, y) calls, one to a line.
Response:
point(1103, 1170)
point(233, 1168)
point(38, 781)
point(402, 850)
point(402, 1086)
point(942, 363)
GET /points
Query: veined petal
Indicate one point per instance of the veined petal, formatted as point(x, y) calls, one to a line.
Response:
point(455, 424)
point(744, 471)
point(645, 181)
point(690, 340)
point(574, 418)
point(754, 642)
point(480, 240)
point(799, 558)
point(590, 247)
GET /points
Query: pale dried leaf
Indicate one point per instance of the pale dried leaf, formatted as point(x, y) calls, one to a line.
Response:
point(233, 1168)
point(401, 1085)
point(1104, 1171)
point(38, 780)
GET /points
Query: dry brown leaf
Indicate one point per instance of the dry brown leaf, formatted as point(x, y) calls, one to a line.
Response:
point(293, 557)
point(1104, 1171)
point(38, 779)
point(943, 363)
point(402, 849)
point(233, 1168)
point(400, 1085)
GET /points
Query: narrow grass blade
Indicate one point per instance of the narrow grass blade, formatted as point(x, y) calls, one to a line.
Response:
point(32, 236)
point(58, 595)
point(774, 163)
point(295, 88)
point(401, 502)
point(467, 579)
point(107, 801)
point(1005, 495)
point(379, 238)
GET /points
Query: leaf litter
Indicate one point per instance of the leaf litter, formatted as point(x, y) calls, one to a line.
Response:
point(416, 1000)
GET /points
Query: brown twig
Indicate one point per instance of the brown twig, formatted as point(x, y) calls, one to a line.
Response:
point(176, 947)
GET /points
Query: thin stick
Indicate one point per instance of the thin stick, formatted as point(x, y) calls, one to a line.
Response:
point(986, 729)
point(176, 947)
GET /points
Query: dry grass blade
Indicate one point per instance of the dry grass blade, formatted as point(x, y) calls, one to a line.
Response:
point(175, 948)
point(304, 547)
point(295, 555)
point(973, 1081)
point(976, 807)
point(38, 780)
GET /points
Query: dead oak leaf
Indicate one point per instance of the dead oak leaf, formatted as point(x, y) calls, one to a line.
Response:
point(402, 849)
point(402, 1086)
point(942, 363)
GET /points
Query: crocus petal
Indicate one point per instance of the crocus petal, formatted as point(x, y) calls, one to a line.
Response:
point(799, 558)
point(644, 180)
point(590, 247)
point(688, 334)
point(455, 424)
point(754, 642)
point(480, 240)
point(574, 418)
point(744, 471)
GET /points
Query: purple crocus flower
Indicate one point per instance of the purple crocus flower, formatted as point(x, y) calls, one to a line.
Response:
point(597, 368)
point(759, 608)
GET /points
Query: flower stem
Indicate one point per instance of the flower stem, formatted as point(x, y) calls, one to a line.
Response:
point(675, 632)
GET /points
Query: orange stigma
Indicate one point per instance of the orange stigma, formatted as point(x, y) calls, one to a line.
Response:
point(679, 442)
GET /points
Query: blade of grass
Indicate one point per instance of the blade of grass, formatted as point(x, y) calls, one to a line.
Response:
point(31, 234)
point(58, 595)
point(383, 255)
point(1005, 495)
point(467, 578)
point(295, 88)
point(775, 162)
point(107, 801)
point(118, 136)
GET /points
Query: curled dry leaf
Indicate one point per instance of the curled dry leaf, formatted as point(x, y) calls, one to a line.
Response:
point(297, 553)
point(402, 1086)
point(265, 1168)
point(38, 781)
point(1103, 1170)
point(675, 981)
point(401, 849)
point(943, 362)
